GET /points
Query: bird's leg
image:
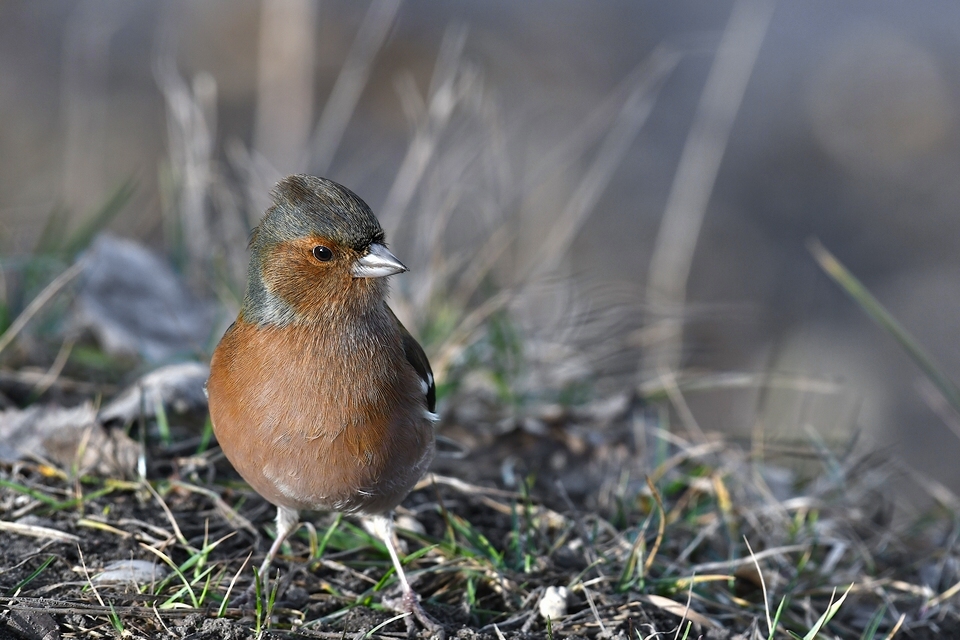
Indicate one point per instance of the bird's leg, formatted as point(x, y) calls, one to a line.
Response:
point(287, 522)
point(382, 526)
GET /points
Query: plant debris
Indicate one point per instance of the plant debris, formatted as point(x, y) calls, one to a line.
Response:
point(681, 537)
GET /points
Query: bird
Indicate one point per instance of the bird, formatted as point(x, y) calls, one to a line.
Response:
point(318, 395)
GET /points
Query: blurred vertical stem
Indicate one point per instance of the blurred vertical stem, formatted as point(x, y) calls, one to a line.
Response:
point(448, 85)
point(694, 180)
point(285, 74)
point(191, 132)
point(855, 289)
point(626, 126)
point(350, 83)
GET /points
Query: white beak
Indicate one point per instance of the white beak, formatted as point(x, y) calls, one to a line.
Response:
point(377, 263)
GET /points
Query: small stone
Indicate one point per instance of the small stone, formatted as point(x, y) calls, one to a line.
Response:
point(135, 571)
point(553, 604)
point(410, 523)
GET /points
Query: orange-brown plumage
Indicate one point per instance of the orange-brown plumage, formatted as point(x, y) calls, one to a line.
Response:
point(307, 438)
point(319, 397)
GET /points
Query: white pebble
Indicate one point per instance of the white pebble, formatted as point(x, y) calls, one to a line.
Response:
point(553, 604)
point(135, 571)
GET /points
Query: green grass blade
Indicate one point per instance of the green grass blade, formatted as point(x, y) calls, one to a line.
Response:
point(115, 620)
point(30, 578)
point(206, 436)
point(870, 632)
point(33, 493)
point(53, 503)
point(178, 572)
point(322, 547)
point(827, 615)
point(258, 594)
point(476, 540)
point(163, 424)
point(855, 289)
point(776, 617)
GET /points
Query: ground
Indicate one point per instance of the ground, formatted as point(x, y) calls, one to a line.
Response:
point(626, 519)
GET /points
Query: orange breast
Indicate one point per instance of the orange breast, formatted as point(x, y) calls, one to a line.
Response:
point(319, 421)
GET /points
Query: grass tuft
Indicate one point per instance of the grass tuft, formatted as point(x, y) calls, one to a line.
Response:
point(879, 314)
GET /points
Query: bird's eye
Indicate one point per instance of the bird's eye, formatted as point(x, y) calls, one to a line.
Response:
point(322, 253)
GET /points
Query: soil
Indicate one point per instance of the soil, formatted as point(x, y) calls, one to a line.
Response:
point(524, 510)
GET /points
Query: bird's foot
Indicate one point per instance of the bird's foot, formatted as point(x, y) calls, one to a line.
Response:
point(409, 603)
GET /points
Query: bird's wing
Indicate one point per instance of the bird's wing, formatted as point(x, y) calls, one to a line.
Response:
point(417, 358)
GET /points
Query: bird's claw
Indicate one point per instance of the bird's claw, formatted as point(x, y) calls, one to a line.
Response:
point(409, 603)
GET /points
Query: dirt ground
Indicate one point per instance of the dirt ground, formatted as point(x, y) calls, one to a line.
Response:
point(529, 507)
point(116, 520)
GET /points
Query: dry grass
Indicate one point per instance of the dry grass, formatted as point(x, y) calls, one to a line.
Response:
point(688, 538)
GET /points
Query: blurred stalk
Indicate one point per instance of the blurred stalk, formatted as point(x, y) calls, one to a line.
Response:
point(86, 52)
point(350, 83)
point(191, 133)
point(619, 137)
point(447, 87)
point(285, 83)
point(694, 180)
point(855, 289)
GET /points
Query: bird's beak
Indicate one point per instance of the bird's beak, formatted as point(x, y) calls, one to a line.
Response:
point(376, 263)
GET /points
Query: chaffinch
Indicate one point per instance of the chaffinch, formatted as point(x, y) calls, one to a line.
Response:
point(319, 397)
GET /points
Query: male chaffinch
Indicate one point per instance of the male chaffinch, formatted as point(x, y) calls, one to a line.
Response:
point(319, 396)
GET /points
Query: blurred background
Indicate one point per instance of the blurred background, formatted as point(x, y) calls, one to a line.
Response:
point(594, 198)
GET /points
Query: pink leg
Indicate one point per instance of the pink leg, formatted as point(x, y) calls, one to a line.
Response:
point(382, 526)
point(287, 522)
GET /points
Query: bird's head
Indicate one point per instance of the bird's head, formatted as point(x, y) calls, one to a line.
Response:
point(318, 251)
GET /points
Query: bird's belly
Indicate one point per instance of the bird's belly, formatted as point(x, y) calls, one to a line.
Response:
point(304, 438)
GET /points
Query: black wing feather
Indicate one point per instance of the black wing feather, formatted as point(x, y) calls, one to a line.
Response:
point(417, 358)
